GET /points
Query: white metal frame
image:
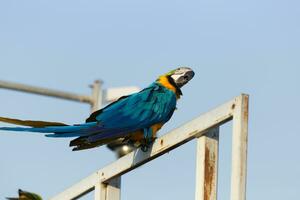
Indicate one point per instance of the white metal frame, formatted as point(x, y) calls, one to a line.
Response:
point(205, 129)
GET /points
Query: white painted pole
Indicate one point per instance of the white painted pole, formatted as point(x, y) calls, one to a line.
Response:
point(112, 189)
point(239, 148)
point(207, 165)
point(100, 191)
point(112, 94)
point(236, 109)
point(162, 145)
point(45, 92)
point(96, 95)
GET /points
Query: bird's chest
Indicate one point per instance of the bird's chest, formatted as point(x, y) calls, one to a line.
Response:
point(165, 104)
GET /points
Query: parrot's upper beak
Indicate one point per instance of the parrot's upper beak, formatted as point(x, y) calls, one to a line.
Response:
point(182, 76)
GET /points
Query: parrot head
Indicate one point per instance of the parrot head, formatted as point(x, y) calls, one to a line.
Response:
point(175, 79)
point(181, 75)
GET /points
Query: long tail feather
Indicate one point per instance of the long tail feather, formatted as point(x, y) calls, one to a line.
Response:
point(68, 131)
point(90, 134)
point(58, 129)
point(35, 124)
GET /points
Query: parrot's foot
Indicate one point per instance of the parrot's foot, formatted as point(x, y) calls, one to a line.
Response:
point(144, 147)
point(146, 143)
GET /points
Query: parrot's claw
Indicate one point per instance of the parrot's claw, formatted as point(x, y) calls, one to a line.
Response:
point(144, 147)
point(146, 144)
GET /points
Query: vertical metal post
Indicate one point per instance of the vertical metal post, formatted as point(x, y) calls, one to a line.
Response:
point(239, 148)
point(100, 191)
point(96, 95)
point(108, 191)
point(112, 189)
point(207, 165)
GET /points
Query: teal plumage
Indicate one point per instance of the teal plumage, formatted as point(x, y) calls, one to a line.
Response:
point(128, 115)
point(153, 105)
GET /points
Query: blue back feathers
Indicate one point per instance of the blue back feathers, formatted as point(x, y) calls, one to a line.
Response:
point(155, 104)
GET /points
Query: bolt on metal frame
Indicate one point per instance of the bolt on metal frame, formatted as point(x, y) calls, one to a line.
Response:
point(205, 129)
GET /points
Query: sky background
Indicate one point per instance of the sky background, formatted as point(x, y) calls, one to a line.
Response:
point(233, 46)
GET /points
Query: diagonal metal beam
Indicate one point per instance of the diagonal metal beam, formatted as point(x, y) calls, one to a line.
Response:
point(162, 145)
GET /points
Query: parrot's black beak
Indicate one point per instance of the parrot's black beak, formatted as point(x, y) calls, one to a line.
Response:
point(182, 76)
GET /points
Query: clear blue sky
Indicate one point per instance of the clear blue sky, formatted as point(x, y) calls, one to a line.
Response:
point(233, 46)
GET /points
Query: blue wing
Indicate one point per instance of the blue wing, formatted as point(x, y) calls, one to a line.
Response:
point(152, 105)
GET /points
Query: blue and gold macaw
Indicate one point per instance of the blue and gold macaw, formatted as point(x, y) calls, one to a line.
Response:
point(135, 118)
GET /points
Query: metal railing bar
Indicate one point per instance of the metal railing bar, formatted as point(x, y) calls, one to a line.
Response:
point(166, 143)
point(46, 92)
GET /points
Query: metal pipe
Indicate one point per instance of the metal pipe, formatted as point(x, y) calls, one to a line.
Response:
point(239, 149)
point(207, 165)
point(162, 145)
point(96, 96)
point(46, 92)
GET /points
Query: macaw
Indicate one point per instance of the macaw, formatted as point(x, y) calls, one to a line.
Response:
point(135, 118)
point(24, 195)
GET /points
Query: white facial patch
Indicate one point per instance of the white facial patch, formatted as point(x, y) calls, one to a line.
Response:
point(179, 72)
point(175, 76)
point(182, 75)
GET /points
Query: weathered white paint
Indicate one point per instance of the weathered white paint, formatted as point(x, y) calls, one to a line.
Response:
point(239, 149)
point(97, 96)
point(110, 95)
point(45, 92)
point(113, 189)
point(207, 165)
point(236, 108)
point(166, 143)
point(100, 191)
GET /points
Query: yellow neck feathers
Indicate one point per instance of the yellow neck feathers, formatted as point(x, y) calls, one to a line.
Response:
point(163, 80)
